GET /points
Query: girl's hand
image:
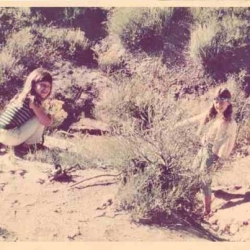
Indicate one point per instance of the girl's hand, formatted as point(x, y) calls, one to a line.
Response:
point(39, 111)
point(33, 102)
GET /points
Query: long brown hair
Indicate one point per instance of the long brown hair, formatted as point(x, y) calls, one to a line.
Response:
point(227, 114)
point(37, 75)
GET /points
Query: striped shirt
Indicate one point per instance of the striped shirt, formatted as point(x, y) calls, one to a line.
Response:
point(16, 114)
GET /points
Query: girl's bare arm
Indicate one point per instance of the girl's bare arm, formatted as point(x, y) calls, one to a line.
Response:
point(40, 113)
point(195, 119)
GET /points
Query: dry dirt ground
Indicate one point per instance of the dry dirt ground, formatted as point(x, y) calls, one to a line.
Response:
point(33, 208)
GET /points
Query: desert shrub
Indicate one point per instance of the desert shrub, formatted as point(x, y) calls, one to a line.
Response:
point(221, 44)
point(141, 29)
point(9, 67)
point(204, 15)
point(166, 190)
point(71, 44)
point(89, 20)
point(93, 23)
point(110, 57)
point(12, 20)
point(145, 117)
point(29, 50)
point(50, 14)
point(148, 75)
point(129, 100)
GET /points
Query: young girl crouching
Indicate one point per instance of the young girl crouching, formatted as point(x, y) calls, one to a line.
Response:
point(23, 121)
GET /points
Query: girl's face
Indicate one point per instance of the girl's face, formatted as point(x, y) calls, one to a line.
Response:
point(43, 89)
point(221, 104)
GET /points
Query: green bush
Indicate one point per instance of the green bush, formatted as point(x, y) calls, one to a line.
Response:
point(141, 29)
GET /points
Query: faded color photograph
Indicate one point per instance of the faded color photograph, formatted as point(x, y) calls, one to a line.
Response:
point(124, 124)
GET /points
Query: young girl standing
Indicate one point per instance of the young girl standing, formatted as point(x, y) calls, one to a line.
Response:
point(218, 130)
point(23, 121)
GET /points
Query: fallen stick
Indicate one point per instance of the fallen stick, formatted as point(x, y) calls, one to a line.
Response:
point(102, 175)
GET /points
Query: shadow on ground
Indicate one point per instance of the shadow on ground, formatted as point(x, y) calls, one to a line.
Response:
point(196, 230)
point(230, 196)
point(188, 226)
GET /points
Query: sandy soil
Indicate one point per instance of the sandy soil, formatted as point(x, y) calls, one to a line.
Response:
point(33, 208)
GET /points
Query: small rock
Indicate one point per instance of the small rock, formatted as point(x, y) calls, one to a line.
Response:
point(245, 223)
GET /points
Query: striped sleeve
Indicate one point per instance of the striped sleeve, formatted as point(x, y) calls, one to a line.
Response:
point(16, 114)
